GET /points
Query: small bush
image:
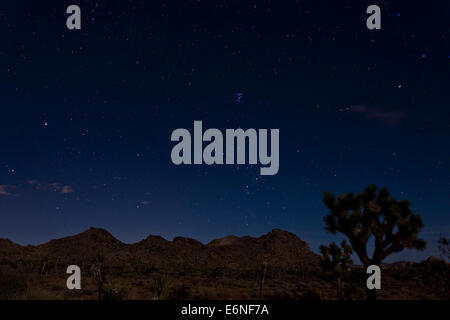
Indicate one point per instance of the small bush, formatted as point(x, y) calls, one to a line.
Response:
point(113, 293)
point(13, 283)
point(249, 274)
point(217, 272)
point(352, 291)
point(311, 294)
point(181, 293)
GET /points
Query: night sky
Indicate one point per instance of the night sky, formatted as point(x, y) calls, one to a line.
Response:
point(86, 115)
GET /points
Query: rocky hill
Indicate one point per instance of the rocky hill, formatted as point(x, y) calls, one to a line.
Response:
point(280, 248)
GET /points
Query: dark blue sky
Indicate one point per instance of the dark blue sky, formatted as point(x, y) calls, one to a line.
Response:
point(86, 116)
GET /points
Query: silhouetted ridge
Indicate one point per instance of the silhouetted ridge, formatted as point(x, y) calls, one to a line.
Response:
point(280, 248)
point(188, 241)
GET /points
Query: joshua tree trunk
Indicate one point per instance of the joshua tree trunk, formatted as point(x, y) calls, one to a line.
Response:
point(261, 287)
point(303, 271)
point(99, 278)
point(261, 284)
point(339, 288)
point(371, 295)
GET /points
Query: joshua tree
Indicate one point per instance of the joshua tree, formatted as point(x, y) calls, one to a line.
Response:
point(392, 224)
point(338, 261)
point(304, 270)
point(265, 265)
point(444, 247)
point(98, 272)
point(163, 288)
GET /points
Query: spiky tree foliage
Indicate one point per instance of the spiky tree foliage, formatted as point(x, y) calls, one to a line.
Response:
point(338, 261)
point(444, 247)
point(392, 224)
point(163, 288)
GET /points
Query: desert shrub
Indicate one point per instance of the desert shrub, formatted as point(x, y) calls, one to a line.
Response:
point(436, 274)
point(163, 288)
point(136, 266)
point(311, 294)
point(45, 265)
point(323, 275)
point(405, 274)
point(148, 269)
point(13, 283)
point(352, 291)
point(120, 270)
point(249, 274)
point(215, 273)
point(187, 268)
point(181, 293)
point(358, 275)
point(99, 257)
point(113, 293)
point(302, 272)
point(294, 272)
point(10, 263)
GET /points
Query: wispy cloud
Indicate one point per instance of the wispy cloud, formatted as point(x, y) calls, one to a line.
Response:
point(66, 190)
point(7, 190)
point(386, 117)
point(54, 187)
